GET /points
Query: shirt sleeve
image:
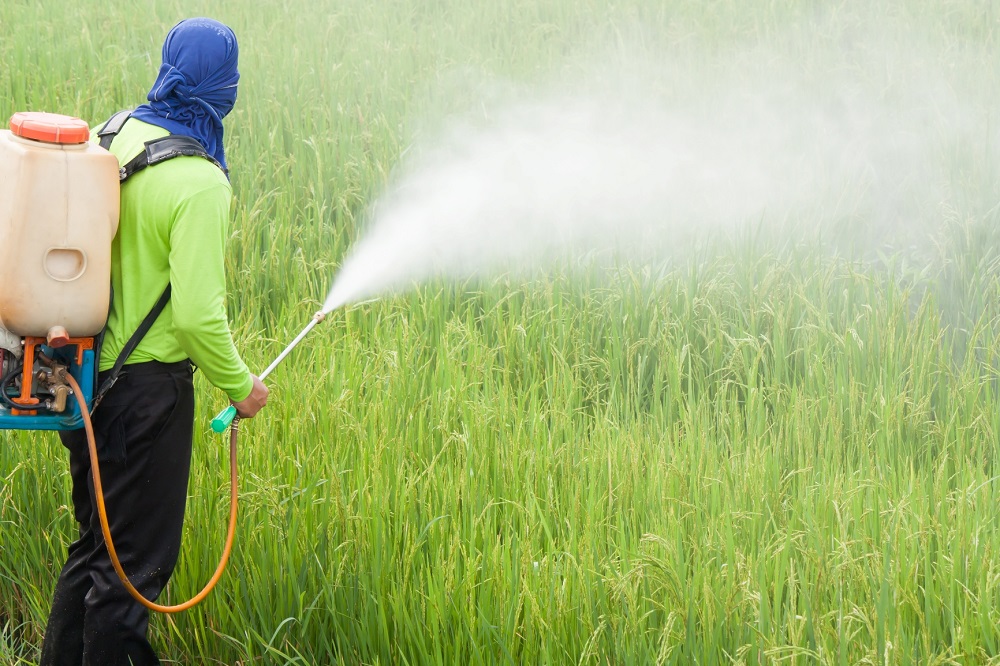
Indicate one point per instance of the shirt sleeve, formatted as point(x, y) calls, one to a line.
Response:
point(198, 297)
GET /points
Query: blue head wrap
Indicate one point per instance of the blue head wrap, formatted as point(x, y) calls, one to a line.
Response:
point(196, 86)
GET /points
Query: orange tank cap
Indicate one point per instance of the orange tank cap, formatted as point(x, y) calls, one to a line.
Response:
point(49, 127)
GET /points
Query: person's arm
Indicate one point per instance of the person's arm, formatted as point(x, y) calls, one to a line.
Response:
point(198, 298)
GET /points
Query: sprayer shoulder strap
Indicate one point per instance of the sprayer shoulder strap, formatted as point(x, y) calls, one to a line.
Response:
point(161, 150)
point(156, 151)
point(111, 128)
point(130, 347)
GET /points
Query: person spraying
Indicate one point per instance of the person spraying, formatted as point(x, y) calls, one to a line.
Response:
point(167, 267)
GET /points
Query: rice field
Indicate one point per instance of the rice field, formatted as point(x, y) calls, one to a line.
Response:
point(767, 448)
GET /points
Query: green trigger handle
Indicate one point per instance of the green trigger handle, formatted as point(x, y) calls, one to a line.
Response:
point(223, 419)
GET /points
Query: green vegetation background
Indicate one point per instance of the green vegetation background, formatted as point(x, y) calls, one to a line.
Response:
point(760, 452)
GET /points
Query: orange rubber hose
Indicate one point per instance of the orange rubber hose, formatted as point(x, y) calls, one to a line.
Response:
point(103, 515)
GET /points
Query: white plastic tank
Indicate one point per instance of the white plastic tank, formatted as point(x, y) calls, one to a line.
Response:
point(59, 198)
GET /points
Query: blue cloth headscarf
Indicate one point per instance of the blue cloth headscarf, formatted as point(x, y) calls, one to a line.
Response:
point(196, 85)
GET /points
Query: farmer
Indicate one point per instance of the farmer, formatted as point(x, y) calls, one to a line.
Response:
point(174, 219)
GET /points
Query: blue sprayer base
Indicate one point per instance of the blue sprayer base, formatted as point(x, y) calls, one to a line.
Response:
point(68, 420)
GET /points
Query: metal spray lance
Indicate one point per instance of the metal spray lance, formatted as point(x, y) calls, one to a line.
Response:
point(225, 418)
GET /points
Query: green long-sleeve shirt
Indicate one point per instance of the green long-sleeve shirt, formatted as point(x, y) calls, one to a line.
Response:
point(173, 227)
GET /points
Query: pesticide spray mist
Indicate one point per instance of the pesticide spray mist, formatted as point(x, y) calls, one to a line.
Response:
point(631, 155)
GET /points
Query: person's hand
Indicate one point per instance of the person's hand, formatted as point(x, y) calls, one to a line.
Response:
point(253, 403)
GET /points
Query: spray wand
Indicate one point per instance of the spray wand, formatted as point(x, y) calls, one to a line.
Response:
point(225, 418)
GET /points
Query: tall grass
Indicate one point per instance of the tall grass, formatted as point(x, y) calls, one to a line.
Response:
point(760, 452)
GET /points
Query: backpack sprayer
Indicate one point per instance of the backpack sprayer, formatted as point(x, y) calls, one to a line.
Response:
point(58, 215)
point(59, 207)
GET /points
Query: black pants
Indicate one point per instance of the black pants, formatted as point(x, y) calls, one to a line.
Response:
point(143, 429)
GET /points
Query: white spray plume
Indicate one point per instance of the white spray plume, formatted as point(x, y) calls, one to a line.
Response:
point(632, 168)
